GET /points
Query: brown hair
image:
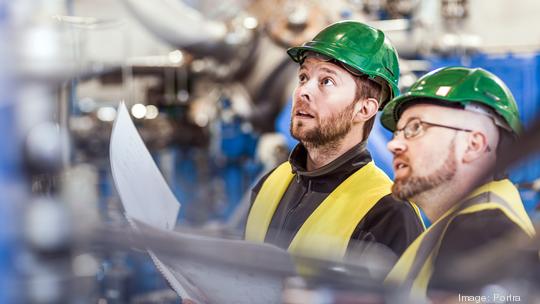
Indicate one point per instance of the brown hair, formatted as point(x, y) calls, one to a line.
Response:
point(366, 88)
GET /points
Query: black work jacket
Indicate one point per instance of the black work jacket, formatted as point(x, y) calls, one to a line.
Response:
point(392, 223)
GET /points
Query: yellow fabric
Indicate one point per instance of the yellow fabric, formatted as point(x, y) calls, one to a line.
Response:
point(420, 285)
point(398, 274)
point(417, 211)
point(327, 231)
point(523, 222)
point(267, 201)
point(516, 213)
point(511, 195)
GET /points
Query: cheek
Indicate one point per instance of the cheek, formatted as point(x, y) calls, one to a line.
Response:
point(433, 155)
point(323, 111)
point(422, 155)
point(344, 95)
point(295, 94)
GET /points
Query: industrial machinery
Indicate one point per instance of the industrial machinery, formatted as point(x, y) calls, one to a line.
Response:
point(208, 85)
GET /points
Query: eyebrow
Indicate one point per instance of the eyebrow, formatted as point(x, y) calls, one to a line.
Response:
point(329, 71)
point(408, 120)
point(324, 69)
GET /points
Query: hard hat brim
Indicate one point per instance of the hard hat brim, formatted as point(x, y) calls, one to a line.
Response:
point(296, 54)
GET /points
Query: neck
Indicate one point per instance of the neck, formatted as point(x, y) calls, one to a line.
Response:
point(319, 156)
point(437, 201)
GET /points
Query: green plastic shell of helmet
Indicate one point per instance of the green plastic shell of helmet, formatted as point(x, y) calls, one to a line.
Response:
point(359, 46)
point(458, 85)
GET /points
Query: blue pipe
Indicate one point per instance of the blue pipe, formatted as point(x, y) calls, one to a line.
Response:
point(11, 181)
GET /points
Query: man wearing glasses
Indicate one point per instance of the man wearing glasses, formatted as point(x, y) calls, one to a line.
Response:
point(447, 130)
point(330, 193)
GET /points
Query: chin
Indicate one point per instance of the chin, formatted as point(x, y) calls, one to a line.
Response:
point(299, 132)
point(298, 137)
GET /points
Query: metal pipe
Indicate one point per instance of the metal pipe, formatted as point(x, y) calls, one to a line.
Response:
point(180, 25)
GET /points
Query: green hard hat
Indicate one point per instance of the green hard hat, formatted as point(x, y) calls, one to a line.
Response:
point(359, 46)
point(465, 87)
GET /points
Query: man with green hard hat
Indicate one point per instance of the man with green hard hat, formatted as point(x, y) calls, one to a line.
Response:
point(448, 129)
point(330, 192)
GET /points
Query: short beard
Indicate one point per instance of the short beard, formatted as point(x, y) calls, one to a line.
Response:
point(408, 187)
point(330, 131)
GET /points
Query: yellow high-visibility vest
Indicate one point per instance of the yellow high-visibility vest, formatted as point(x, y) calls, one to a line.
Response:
point(327, 231)
point(415, 267)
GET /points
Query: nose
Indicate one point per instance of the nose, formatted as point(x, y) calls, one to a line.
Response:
point(304, 91)
point(397, 145)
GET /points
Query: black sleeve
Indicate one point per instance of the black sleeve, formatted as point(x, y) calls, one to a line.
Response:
point(392, 223)
point(466, 234)
point(383, 235)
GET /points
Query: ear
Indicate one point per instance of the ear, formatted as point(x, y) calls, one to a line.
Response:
point(477, 146)
point(365, 109)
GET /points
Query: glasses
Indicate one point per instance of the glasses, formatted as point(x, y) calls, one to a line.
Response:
point(415, 127)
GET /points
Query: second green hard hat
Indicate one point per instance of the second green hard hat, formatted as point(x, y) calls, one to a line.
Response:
point(359, 46)
point(462, 86)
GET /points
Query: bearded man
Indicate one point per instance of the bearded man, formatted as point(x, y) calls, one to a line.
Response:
point(448, 132)
point(329, 193)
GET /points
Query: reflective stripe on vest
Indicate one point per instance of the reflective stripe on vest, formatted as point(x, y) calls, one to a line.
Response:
point(414, 269)
point(327, 231)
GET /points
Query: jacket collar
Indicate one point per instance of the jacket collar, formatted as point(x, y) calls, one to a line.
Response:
point(352, 160)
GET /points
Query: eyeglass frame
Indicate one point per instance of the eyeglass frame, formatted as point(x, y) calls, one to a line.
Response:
point(422, 122)
point(397, 131)
point(430, 124)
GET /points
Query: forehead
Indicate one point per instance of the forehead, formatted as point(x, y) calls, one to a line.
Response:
point(432, 112)
point(316, 63)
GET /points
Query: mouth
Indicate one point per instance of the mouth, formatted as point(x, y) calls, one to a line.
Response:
point(400, 165)
point(303, 114)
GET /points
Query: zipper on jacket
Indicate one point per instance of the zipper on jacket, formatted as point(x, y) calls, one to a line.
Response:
point(291, 210)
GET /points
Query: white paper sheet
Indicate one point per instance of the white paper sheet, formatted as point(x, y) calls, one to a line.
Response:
point(211, 270)
point(142, 189)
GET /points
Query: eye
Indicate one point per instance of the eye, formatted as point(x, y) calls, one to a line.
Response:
point(415, 125)
point(327, 82)
point(413, 128)
point(302, 78)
